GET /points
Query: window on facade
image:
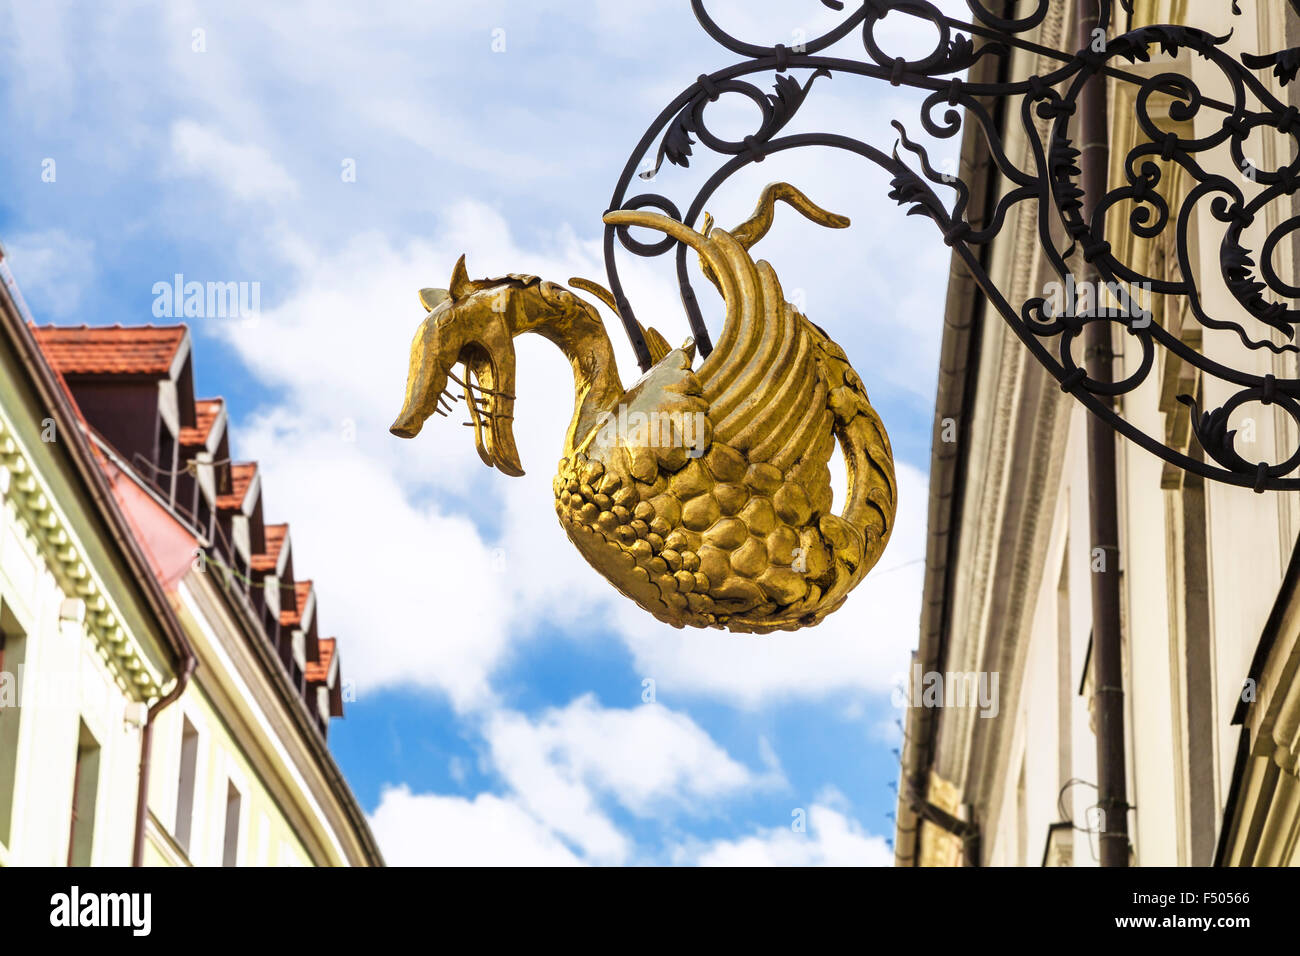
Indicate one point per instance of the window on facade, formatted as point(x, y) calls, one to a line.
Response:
point(166, 480)
point(85, 789)
point(1022, 818)
point(203, 515)
point(1064, 654)
point(1201, 802)
point(270, 621)
point(322, 709)
point(230, 848)
point(185, 785)
point(187, 495)
point(12, 647)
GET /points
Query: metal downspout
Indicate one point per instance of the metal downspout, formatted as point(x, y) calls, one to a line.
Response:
point(146, 753)
point(1103, 495)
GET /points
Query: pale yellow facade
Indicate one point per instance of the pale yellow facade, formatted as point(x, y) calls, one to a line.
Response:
point(54, 670)
point(74, 664)
point(265, 836)
point(1207, 602)
point(286, 815)
point(96, 641)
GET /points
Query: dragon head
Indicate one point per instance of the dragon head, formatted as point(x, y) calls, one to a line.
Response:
point(472, 324)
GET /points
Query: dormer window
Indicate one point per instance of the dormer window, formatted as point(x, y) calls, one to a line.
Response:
point(135, 387)
point(203, 515)
point(166, 462)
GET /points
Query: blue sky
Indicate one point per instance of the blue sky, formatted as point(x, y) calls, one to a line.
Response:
point(499, 681)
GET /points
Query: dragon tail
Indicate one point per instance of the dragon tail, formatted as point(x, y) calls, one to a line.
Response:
point(857, 535)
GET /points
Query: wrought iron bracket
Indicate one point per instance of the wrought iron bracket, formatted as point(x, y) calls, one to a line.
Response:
point(1261, 322)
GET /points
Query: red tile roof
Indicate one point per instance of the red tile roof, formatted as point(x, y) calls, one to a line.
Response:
point(241, 476)
point(205, 413)
point(152, 350)
point(275, 537)
point(292, 618)
point(111, 349)
point(318, 672)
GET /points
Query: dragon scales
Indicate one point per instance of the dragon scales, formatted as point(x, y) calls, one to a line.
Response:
point(713, 509)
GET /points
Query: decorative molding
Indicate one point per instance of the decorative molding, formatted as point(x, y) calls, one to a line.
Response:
point(1020, 454)
point(64, 556)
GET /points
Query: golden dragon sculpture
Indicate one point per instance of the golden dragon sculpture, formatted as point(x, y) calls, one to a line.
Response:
point(703, 494)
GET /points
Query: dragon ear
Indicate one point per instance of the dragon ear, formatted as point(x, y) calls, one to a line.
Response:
point(432, 298)
point(460, 284)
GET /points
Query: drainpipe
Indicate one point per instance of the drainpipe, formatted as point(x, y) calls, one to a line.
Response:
point(1103, 518)
point(967, 831)
point(146, 753)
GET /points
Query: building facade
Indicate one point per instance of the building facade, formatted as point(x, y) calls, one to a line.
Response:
point(165, 692)
point(1210, 616)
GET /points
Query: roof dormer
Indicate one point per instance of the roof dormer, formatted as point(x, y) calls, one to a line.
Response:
point(325, 682)
point(134, 387)
point(134, 384)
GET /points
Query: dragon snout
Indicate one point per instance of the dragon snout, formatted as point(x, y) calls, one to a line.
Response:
point(431, 357)
point(407, 425)
point(424, 394)
point(477, 336)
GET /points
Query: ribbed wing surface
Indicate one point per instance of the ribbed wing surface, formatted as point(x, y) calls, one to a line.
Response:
point(766, 398)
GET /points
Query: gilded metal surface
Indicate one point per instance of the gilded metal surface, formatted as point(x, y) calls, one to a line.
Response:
point(702, 494)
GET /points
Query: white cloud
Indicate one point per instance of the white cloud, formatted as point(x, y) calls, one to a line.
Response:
point(246, 171)
point(645, 757)
point(53, 268)
point(650, 760)
point(831, 839)
point(432, 830)
point(457, 769)
point(405, 587)
point(564, 772)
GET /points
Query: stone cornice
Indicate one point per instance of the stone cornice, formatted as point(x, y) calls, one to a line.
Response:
point(36, 510)
point(1017, 446)
point(1261, 823)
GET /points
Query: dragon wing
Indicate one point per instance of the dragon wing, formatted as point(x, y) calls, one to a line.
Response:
point(766, 396)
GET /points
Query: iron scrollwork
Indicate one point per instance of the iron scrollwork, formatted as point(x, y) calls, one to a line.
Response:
point(1264, 317)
